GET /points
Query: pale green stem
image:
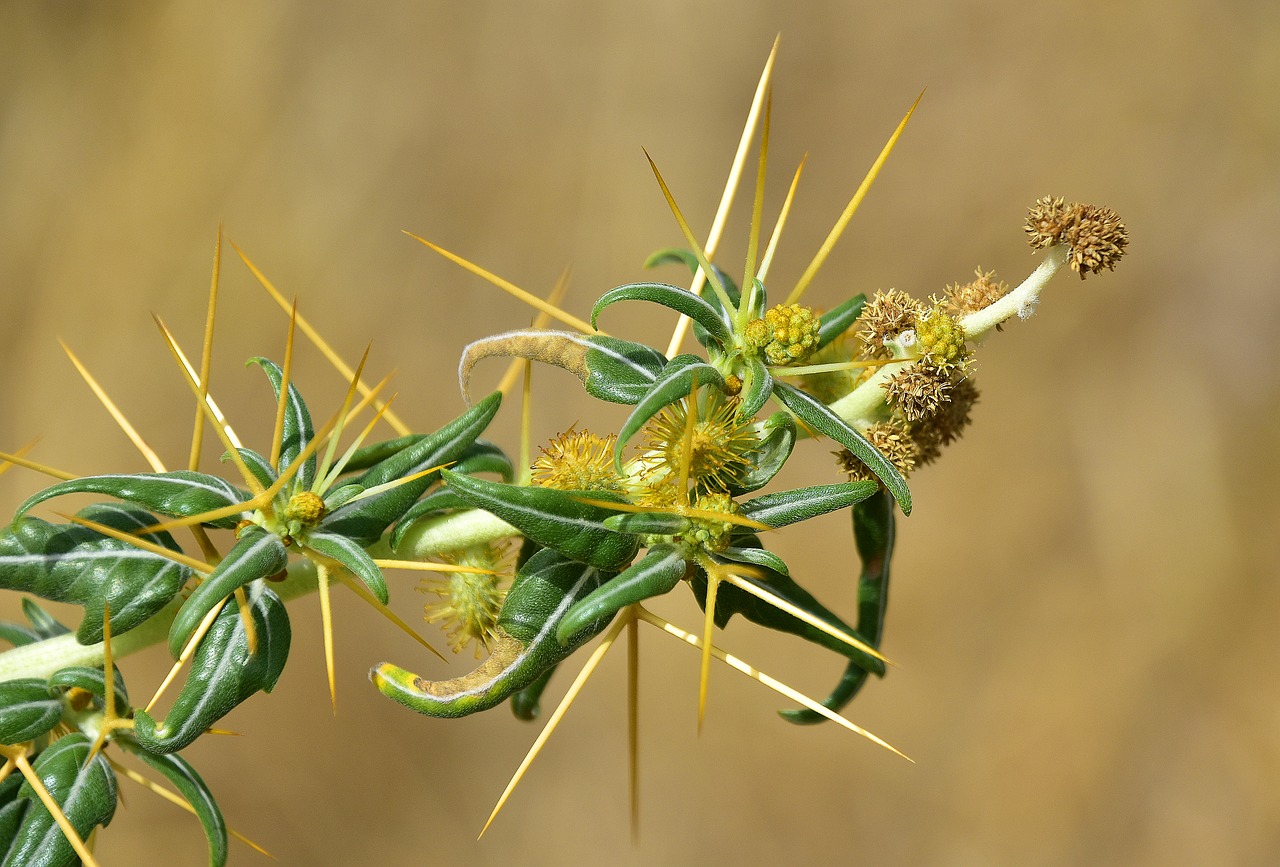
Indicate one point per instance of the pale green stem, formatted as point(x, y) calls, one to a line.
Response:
point(1021, 301)
point(867, 404)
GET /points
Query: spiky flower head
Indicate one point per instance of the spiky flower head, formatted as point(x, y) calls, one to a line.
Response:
point(719, 450)
point(983, 291)
point(941, 340)
point(787, 334)
point(578, 461)
point(945, 426)
point(919, 391)
point(469, 602)
point(1095, 235)
point(303, 511)
point(887, 315)
point(893, 440)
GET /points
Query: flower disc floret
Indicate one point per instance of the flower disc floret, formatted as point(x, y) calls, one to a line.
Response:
point(787, 334)
point(941, 340)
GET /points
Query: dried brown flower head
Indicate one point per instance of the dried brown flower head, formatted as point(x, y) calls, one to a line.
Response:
point(945, 426)
point(1095, 235)
point(978, 293)
point(891, 439)
point(919, 391)
point(886, 315)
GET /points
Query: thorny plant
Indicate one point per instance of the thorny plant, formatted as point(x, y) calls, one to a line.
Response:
point(535, 565)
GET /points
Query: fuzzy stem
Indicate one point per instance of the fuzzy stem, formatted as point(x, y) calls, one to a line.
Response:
point(867, 403)
point(1020, 301)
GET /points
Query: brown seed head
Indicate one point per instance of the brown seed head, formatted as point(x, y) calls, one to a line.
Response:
point(945, 426)
point(1047, 219)
point(892, 440)
point(886, 315)
point(919, 391)
point(1098, 239)
point(979, 293)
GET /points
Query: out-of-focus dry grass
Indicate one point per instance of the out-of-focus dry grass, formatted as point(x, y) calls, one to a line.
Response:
point(1084, 599)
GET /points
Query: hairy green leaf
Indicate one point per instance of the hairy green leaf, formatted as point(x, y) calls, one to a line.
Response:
point(181, 493)
point(223, 672)
point(620, 371)
point(657, 573)
point(675, 382)
point(837, 320)
point(351, 556)
point(298, 431)
point(801, 504)
point(777, 439)
point(680, 300)
point(552, 518)
point(756, 388)
point(27, 710)
point(72, 563)
point(92, 681)
point(191, 786)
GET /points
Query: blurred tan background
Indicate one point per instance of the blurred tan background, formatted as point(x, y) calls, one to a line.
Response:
point(1084, 603)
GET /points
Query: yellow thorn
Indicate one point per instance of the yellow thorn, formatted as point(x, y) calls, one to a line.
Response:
point(730, 188)
point(139, 542)
point(760, 677)
point(757, 211)
point(704, 263)
point(5, 465)
point(207, 547)
point(782, 220)
point(197, 387)
point(800, 614)
point(395, 483)
point(554, 719)
point(686, 444)
point(246, 618)
point(510, 288)
point(8, 769)
point(526, 426)
point(19, 460)
point(341, 462)
point(224, 733)
point(633, 720)
point(838, 229)
point(419, 566)
point(809, 369)
point(508, 380)
point(277, 430)
point(176, 799)
point(37, 785)
point(708, 628)
point(187, 651)
point(314, 336)
point(707, 514)
point(327, 462)
point(362, 591)
point(326, 620)
point(107, 727)
point(209, 401)
point(148, 453)
point(108, 667)
point(206, 355)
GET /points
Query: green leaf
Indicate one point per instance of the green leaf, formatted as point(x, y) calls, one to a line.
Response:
point(365, 520)
point(731, 600)
point(12, 811)
point(553, 519)
point(257, 464)
point(72, 563)
point(223, 672)
point(680, 300)
point(620, 371)
point(814, 413)
point(525, 647)
point(340, 496)
point(673, 255)
point(873, 530)
point(353, 558)
point(298, 431)
point(375, 453)
point(657, 573)
point(756, 388)
point(649, 523)
point(256, 554)
point(837, 320)
point(85, 792)
point(777, 439)
point(189, 784)
point(92, 681)
point(180, 494)
point(44, 623)
point(526, 703)
point(27, 710)
point(756, 557)
point(483, 456)
point(801, 504)
point(675, 382)
point(439, 500)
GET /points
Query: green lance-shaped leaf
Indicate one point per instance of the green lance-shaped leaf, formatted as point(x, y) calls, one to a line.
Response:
point(375, 453)
point(298, 430)
point(814, 413)
point(680, 300)
point(552, 518)
point(657, 573)
point(439, 500)
point(181, 493)
point(523, 650)
point(223, 672)
point(483, 456)
point(366, 519)
point(731, 600)
point(92, 681)
point(72, 563)
point(756, 557)
point(777, 439)
point(85, 792)
point(337, 497)
point(756, 388)
point(649, 523)
point(837, 320)
point(257, 464)
point(689, 258)
point(42, 625)
point(620, 371)
point(256, 554)
point(191, 786)
point(873, 530)
point(674, 383)
point(12, 811)
point(27, 710)
point(350, 555)
point(526, 703)
point(801, 504)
